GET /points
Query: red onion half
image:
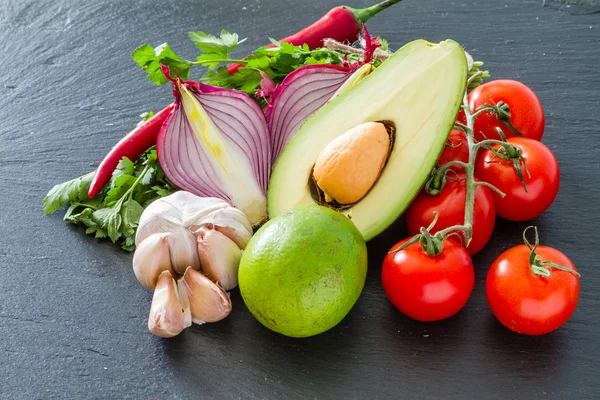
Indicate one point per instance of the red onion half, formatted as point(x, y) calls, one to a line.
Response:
point(301, 93)
point(216, 143)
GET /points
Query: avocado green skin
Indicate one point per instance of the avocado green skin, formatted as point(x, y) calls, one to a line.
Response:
point(303, 271)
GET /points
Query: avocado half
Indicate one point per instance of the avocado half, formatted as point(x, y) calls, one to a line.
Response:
point(418, 90)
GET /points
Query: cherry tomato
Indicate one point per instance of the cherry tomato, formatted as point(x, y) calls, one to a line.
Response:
point(542, 178)
point(526, 112)
point(528, 303)
point(456, 149)
point(450, 204)
point(428, 288)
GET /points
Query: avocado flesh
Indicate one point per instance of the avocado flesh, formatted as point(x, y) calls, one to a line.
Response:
point(420, 90)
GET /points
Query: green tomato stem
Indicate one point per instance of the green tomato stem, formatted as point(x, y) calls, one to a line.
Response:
point(469, 167)
point(469, 173)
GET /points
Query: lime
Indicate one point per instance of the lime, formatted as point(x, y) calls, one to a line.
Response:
point(302, 272)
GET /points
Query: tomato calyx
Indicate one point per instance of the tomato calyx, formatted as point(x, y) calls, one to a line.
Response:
point(502, 111)
point(437, 179)
point(510, 153)
point(433, 245)
point(538, 266)
point(436, 182)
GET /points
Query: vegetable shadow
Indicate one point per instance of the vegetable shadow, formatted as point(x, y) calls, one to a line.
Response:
point(255, 361)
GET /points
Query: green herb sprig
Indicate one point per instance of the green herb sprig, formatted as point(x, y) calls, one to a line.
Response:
point(115, 212)
point(276, 60)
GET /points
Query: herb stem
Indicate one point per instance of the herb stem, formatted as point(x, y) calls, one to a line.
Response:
point(129, 192)
point(219, 60)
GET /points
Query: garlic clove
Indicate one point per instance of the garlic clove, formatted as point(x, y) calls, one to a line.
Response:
point(182, 247)
point(219, 257)
point(240, 238)
point(185, 302)
point(167, 317)
point(152, 257)
point(222, 217)
point(208, 301)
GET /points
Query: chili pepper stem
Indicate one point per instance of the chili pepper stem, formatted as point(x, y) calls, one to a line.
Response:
point(362, 15)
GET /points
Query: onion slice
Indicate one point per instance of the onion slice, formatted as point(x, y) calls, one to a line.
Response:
point(216, 143)
point(301, 93)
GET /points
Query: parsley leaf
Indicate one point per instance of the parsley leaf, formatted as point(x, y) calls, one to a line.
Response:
point(110, 220)
point(125, 167)
point(115, 212)
point(150, 58)
point(70, 191)
point(215, 50)
point(277, 62)
point(384, 44)
point(222, 45)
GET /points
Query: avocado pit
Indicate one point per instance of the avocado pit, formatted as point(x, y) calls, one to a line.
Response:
point(350, 165)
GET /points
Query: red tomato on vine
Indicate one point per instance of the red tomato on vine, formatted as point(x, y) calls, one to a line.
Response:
point(428, 287)
point(518, 107)
point(456, 149)
point(449, 204)
point(532, 290)
point(540, 172)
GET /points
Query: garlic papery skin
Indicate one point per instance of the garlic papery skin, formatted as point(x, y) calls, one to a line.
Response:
point(152, 257)
point(152, 226)
point(182, 247)
point(208, 301)
point(219, 257)
point(179, 209)
point(167, 317)
point(231, 222)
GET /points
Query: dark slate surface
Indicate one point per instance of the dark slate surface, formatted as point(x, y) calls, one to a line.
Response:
point(73, 317)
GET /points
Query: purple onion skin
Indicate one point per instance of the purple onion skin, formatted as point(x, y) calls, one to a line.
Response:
point(314, 84)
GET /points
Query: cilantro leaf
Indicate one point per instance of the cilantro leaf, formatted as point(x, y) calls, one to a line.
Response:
point(384, 43)
point(131, 211)
point(150, 59)
point(70, 191)
point(98, 232)
point(109, 219)
point(129, 243)
point(145, 117)
point(143, 55)
point(211, 60)
point(115, 212)
point(208, 43)
point(124, 167)
point(222, 45)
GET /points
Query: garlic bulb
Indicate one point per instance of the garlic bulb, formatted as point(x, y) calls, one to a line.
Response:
point(167, 315)
point(181, 235)
point(207, 300)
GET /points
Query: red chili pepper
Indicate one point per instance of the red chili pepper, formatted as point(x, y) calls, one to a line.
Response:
point(131, 146)
point(340, 23)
